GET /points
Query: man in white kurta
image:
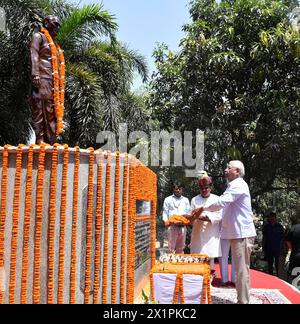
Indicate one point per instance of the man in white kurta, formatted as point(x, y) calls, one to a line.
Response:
point(176, 204)
point(206, 229)
point(237, 225)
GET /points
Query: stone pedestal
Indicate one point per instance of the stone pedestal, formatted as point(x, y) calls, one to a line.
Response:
point(103, 199)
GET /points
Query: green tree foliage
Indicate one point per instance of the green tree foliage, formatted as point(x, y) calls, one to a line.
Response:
point(236, 77)
point(14, 76)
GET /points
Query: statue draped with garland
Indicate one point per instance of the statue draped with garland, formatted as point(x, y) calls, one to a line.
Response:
point(48, 82)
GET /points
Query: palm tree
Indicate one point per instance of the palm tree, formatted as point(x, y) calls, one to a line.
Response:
point(100, 75)
point(99, 69)
point(14, 76)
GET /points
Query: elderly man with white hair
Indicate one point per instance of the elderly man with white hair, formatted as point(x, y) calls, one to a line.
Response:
point(237, 225)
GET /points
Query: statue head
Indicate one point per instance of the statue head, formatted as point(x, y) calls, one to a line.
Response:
point(52, 24)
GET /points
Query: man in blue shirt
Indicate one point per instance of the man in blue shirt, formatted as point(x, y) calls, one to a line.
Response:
point(237, 225)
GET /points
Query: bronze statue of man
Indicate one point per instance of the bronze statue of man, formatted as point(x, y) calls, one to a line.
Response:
point(47, 74)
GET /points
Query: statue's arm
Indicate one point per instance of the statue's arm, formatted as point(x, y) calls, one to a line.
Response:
point(35, 58)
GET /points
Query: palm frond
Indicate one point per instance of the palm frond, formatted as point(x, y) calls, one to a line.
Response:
point(86, 23)
point(21, 16)
point(83, 108)
point(59, 8)
point(132, 60)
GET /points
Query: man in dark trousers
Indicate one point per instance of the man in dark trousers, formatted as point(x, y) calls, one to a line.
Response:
point(273, 234)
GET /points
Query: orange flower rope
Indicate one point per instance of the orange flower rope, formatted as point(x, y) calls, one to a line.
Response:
point(52, 216)
point(152, 295)
point(146, 182)
point(58, 71)
point(204, 291)
point(147, 185)
point(177, 289)
point(124, 229)
point(74, 227)
point(181, 289)
point(27, 226)
point(38, 225)
point(3, 209)
point(89, 229)
point(15, 223)
point(63, 207)
point(131, 239)
point(208, 291)
point(106, 223)
point(98, 231)
point(153, 229)
point(115, 232)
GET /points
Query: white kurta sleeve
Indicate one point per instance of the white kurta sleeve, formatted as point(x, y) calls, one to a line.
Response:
point(193, 205)
point(165, 215)
point(215, 217)
point(187, 207)
point(229, 196)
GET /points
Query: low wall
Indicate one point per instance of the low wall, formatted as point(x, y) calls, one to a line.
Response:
point(70, 231)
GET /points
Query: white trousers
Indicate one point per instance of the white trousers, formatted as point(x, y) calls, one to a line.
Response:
point(223, 261)
point(176, 238)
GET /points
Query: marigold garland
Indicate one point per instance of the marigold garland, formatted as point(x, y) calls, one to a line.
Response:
point(153, 229)
point(89, 228)
point(106, 223)
point(152, 295)
point(60, 291)
point(181, 289)
point(38, 225)
point(3, 209)
point(26, 227)
point(58, 71)
point(98, 230)
point(177, 220)
point(131, 232)
point(147, 184)
point(15, 223)
point(74, 227)
point(124, 229)
point(209, 301)
point(178, 290)
point(52, 216)
point(115, 232)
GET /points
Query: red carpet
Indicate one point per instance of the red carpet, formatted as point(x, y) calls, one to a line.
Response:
point(264, 281)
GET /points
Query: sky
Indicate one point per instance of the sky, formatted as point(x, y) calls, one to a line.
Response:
point(144, 23)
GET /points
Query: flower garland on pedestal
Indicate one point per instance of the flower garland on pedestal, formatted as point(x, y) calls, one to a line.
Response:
point(26, 228)
point(3, 211)
point(58, 71)
point(14, 239)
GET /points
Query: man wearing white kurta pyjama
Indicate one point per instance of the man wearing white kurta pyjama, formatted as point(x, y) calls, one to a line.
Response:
point(176, 204)
point(206, 230)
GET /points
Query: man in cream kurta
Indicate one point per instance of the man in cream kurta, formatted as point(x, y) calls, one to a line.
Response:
point(206, 229)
